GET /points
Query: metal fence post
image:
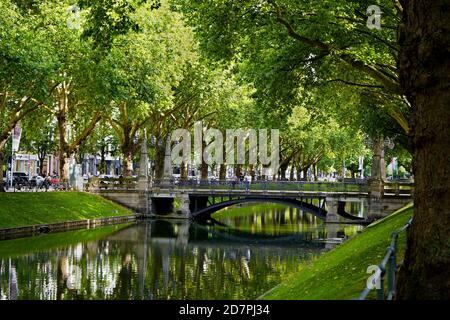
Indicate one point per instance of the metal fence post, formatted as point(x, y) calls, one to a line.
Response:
point(392, 268)
point(389, 262)
point(380, 291)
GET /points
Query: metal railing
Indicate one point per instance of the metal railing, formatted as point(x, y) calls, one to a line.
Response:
point(111, 184)
point(27, 186)
point(387, 266)
point(269, 185)
point(357, 186)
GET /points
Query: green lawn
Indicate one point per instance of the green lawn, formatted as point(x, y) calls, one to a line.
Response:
point(27, 208)
point(341, 272)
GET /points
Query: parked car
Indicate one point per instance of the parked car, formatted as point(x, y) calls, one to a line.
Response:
point(36, 181)
point(20, 177)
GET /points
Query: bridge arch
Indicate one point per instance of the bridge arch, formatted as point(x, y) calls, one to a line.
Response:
point(206, 212)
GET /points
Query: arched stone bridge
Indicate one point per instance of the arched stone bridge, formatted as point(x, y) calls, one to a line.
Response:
point(199, 200)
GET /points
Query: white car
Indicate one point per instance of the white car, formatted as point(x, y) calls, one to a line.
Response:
point(36, 180)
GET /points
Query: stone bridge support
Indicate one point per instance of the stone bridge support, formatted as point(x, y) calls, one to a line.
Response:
point(184, 201)
point(332, 210)
point(162, 205)
point(382, 207)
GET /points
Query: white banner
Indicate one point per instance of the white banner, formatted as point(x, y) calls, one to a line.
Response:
point(20, 156)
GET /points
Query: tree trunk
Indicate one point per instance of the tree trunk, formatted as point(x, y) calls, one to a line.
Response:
point(103, 168)
point(282, 171)
point(128, 163)
point(238, 170)
point(61, 117)
point(424, 66)
point(252, 172)
point(305, 174)
point(378, 171)
point(291, 172)
point(63, 147)
point(160, 150)
point(41, 153)
point(223, 172)
point(204, 171)
point(299, 173)
point(204, 165)
point(2, 161)
point(314, 170)
point(41, 165)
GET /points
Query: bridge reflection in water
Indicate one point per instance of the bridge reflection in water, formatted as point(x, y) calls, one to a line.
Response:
point(239, 257)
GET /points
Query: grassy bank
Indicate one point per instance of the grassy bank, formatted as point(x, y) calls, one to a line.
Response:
point(341, 272)
point(27, 208)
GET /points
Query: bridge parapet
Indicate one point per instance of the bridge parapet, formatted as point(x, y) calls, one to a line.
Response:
point(359, 186)
point(158, 195)
point(398, 189)
point(111, 184)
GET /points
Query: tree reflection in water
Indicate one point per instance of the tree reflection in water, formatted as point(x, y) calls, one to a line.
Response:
point(171, 259)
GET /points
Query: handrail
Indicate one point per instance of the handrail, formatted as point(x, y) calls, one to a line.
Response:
point(398, 188)
point(358, 186)
point(125, 183)
point(389, 265)
point(320, 186)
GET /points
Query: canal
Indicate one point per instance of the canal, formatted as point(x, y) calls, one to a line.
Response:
point(246, 251)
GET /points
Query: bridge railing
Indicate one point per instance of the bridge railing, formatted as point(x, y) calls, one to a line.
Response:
point(111, 184)
point(356, 186)
point(359, 187)
point(389, 267)
point(398, 188)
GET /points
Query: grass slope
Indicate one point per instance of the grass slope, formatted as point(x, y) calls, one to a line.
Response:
point(341, 273)
point(27, 208)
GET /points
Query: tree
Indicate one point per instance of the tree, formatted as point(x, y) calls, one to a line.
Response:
point(424, 65)
point(207, 93)
point(101, 142)
point(302, 40)
point(144, 70)
point(26, 66)
point(422, 77)
point(78, 101)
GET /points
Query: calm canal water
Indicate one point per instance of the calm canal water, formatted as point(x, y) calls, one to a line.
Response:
point(248, 251)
